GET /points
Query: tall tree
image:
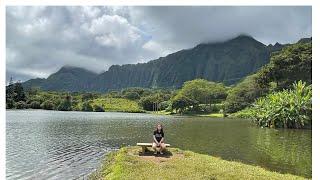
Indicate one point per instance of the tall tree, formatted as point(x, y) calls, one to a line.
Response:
point(290, 65)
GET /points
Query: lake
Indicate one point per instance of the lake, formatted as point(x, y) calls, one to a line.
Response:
point(70, 145)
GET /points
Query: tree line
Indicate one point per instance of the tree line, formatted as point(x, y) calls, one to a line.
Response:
point(279, 78)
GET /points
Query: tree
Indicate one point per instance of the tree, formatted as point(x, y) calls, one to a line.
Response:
point(66, 104)
point(87, 96)
point(10, 103)
point(35, 105)
point(243, 94)
point(21, 105)
point(180, 103)
point(203, 91)
point(86, 106)
point(19, 92)
point(291, 64)
point(48, 105)
point(147, 103)
point(98, 108)
point(131, 95)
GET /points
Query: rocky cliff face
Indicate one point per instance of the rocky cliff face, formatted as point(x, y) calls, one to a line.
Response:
point(226, 62)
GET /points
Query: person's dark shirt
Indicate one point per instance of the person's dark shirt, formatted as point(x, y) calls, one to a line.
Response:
point(158, 135)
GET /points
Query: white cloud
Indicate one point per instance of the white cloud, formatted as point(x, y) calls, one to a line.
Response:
point(40, 39)
point(114, 30)
point(37, 26)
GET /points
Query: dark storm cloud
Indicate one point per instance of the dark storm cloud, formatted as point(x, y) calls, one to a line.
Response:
point(42, 39)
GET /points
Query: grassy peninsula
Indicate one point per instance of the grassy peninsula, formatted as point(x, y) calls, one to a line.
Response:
point(128, 163)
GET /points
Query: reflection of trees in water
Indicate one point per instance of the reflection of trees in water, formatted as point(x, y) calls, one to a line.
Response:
point(286, 150)
point(225, 138)
point(75, 135)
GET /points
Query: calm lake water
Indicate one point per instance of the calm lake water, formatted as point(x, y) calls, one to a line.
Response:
point(69, 145)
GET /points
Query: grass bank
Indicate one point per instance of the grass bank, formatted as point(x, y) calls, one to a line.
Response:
point(117, 105)
point(128, 163)
point(216, 115)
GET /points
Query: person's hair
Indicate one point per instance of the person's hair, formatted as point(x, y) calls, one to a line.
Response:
point(161, 127)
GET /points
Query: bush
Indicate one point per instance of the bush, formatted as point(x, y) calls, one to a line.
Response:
point(86, 106)
point(35, 105)
point(182, 103)
point(131, 95)
point(98, 108)
point(292, 63)
point(48, 105)
point(286, 109)
point(244, 94)
point(65, 104)
point(147, 102)
point(164, 105)
point(10, 104)
point(21, 105)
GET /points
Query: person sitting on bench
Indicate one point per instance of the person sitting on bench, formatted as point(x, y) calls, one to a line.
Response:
point(158, 139)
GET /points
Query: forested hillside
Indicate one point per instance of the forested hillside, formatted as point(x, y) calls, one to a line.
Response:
point(226, 62)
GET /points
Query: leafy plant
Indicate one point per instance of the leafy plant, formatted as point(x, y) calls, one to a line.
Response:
point(285, 109)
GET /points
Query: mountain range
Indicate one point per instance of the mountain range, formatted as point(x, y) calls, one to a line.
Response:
point(226, 62)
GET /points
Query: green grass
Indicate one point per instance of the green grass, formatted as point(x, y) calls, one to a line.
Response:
point(127, 164)
point(163, 112)
point(218, 115)
point(117, 104)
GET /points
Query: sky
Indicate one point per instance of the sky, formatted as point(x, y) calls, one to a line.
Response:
point(40, 40)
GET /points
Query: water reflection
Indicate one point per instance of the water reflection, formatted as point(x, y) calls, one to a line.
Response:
point(49, 144)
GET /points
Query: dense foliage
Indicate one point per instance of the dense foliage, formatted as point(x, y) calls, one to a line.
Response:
point(15, 96)
point(285, 109)
point(243, 94)
point(292, 64)
point(49, 100)
point(196, 93)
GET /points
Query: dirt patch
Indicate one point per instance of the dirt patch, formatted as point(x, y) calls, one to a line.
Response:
point(160, 158)
point(168, 155)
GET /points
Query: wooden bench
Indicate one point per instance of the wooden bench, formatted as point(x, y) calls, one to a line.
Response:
point(145, 145)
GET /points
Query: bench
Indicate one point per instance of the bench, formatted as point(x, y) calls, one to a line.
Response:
point(145, 145)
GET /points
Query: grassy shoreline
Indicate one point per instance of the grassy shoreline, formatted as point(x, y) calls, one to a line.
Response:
point(214, 115)
point(128, 163)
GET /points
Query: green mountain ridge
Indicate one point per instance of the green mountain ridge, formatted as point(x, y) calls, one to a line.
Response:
point(227, 62)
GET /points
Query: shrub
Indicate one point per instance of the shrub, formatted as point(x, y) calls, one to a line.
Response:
point(21, 105)
point(98, 108)
point(48, 105)
point(10, 104)
point(181, 103)
point(147, 102)
point(86, 106)
point(244, 94)
point(35, 105)
point(164, 105)
point(285, 109)
point(65, 105)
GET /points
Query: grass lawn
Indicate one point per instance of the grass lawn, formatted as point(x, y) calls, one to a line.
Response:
point(163, 112)
point(128, 163)
point(117, 104)
point(219, 115)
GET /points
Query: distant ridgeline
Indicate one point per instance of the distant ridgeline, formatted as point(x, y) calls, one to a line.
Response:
point(227, 62)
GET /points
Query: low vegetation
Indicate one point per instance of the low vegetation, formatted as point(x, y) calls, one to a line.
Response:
point(286, 109)
point(177, 164)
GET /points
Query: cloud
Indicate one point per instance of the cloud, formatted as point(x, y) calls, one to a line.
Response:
point(114, 31)
point(40, 39)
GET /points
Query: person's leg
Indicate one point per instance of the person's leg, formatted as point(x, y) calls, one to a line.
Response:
point(154, 147)
point(162, 147)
